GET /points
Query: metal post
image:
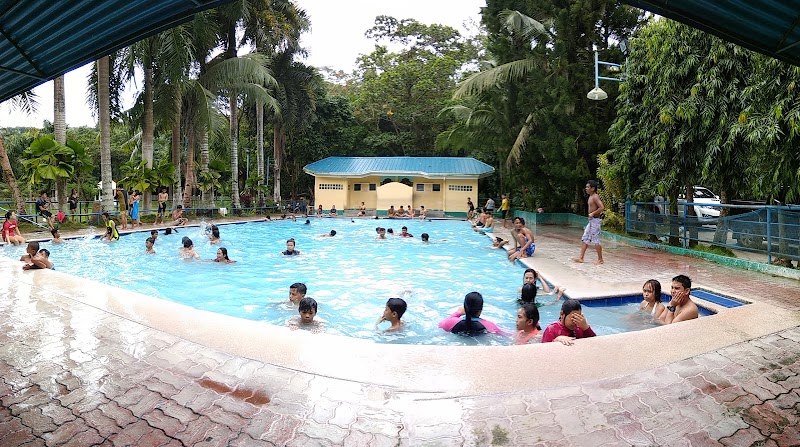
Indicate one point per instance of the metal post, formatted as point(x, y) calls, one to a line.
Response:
point(685, 214)
point(266, 172)
point(769, 235)
point(596, 70)
point(247, 174)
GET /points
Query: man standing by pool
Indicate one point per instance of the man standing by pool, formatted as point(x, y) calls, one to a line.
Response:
point(591, 235)
point(504, 208)
point(122, 202)
point(489, 205)
point(680, 308)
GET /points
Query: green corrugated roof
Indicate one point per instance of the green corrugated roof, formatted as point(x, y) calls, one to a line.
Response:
point(42, 39)
point(421, 166)
point(771, 27)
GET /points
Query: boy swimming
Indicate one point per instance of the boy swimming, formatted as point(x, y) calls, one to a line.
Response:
point(395, 308)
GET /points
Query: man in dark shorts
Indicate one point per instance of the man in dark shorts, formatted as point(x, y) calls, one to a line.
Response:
point(471, 212)
point(42, 205)
point(163, 197)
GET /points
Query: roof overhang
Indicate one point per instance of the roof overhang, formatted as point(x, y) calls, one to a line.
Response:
point(43, 39)
point(769, 27)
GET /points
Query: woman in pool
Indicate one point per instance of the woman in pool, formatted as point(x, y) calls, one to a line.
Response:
point(222, 256)
point(471, 323)
point(651, 302)
point(528, 328)
point(571, 324)
point(213, 236)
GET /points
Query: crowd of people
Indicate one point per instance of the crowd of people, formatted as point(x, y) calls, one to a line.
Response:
point(465, 320)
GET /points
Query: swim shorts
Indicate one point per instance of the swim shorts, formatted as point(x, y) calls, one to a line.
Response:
point(591, 235)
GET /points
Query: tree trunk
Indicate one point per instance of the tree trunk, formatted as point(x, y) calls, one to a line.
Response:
point(260, 151)
point(11, 181)
point(147, 125)
point(188, 187)
point(278, 142)
point(60, 135)
point(176, 151)
point(204, 163)
point(104, 106)
point(234, 130)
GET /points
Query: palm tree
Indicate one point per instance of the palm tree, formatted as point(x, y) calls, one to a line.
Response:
point(104, 112)
point(28, 104)
point(60, 134)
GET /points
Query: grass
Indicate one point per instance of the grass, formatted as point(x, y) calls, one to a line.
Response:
point(713, 249)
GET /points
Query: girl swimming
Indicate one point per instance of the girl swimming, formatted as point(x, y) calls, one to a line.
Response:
point(528, 328)
point(471, 324)
point(222, 256)
point(651, 298)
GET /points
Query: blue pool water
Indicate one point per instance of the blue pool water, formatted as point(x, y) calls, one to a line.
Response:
point(350, 275)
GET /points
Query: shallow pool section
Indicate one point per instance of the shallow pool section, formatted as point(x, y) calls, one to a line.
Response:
point(350, 275)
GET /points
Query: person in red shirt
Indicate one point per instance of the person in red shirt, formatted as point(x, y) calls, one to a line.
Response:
point(570, 325)
point(11, 232)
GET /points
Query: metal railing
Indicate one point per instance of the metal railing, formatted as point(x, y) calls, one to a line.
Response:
point(773, 231)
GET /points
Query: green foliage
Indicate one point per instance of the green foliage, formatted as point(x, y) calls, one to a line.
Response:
point(46, 160)
point(714, 249)
point(528, 105)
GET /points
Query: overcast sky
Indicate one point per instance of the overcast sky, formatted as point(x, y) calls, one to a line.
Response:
point(336, 39)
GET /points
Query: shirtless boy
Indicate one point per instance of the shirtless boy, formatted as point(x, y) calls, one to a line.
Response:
point(591, 235)
point(680, 308)
point(163, 197)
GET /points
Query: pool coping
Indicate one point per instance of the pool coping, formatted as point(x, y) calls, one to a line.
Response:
point(435, 371)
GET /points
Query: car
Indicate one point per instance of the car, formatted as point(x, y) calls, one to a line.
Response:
point(703, 199)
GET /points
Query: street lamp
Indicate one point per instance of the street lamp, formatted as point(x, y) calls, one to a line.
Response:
point(598, 94)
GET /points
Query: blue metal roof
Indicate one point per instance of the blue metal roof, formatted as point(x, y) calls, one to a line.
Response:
point(771, 27)
point(422, 166)
point(43, 39)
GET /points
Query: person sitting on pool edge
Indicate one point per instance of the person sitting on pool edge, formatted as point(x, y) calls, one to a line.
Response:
point(297, 292)
point(290, 251)
point(528, 327)
point(41, 260)
point(391, 212)
point(395, 308)
point(401, 212)
point(680, 308)
point(333, 212)
point(571, 324)
point(110, 225)
point(177, 217)
point(471, 324)
point(422, 213)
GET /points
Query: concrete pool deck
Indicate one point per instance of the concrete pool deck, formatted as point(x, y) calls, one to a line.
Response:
point(87, 364)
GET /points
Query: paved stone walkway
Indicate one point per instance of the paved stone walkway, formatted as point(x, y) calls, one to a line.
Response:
point(78, 376)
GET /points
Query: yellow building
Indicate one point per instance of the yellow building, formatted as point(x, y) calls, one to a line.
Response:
point(437, 183)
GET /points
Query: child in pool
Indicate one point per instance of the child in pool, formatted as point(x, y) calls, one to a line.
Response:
point(188, 249)
point(308, 310)
point(571, 324)
point(651, 298)
point(395, 308)
point(528, 328)
point(109, 236)
point(148, 244)
point(297, 292)
point(213, 235)
point(222, 256)
point(531, 275)
point(40, 260)
point(471, 324)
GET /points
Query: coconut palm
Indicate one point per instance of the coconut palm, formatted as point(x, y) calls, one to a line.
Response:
point(26, 102)
point(104, 112)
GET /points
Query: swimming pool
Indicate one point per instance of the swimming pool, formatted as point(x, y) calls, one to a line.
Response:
point(350, 275)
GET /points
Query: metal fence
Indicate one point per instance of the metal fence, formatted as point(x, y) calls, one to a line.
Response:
point(773, 231)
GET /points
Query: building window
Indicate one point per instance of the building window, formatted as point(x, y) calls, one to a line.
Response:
point(467, 188)
point(420, 187)
point(357, 187)
point(331, 186)
point(437, 187)
point(373, 186)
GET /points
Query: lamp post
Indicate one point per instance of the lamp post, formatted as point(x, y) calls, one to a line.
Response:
point(598, 94)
